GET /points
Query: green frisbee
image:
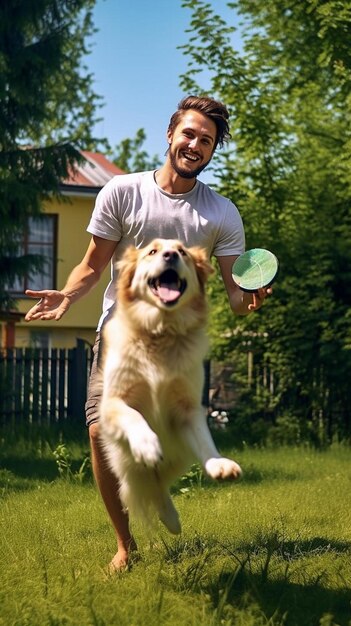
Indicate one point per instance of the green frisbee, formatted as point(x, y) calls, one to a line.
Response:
point(255, 269)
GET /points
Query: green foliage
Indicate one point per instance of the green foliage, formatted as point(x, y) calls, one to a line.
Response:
point(63, 461)
point(193, 478)
point(46, 107)
point(288, 169)
point(131, 157)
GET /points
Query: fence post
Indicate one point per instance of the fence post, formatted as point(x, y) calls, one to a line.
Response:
point(206, 388)
point(78, 380)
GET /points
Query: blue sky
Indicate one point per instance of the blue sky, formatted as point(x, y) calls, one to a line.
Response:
point(136, 65)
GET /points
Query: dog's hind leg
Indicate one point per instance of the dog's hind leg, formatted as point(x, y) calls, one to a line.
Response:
point(168, 514)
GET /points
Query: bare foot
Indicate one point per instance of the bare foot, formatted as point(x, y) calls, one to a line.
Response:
point(123, 558)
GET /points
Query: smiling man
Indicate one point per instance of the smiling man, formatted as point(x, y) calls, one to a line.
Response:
point(134, 209)
point(192, 143)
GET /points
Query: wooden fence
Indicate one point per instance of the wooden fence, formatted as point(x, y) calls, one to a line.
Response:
point(50, 385)
point(44, 384)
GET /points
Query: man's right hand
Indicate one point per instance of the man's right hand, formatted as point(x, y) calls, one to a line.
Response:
point(52, 305)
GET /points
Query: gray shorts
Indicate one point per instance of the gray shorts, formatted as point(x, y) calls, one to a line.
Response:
point(95, 384)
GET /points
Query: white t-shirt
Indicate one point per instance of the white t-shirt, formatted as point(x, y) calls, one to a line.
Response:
point(133, 210)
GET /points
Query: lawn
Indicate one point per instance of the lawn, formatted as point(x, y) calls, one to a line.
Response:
point(274, 549)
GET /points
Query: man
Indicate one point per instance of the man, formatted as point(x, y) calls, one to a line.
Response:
point(134, 209)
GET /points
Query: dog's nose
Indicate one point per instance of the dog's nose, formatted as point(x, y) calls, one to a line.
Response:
point(170, 256)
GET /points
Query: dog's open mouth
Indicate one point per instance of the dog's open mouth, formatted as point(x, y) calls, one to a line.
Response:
point(168, 287)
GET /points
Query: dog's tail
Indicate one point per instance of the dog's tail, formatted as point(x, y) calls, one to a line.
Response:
point(147, 500)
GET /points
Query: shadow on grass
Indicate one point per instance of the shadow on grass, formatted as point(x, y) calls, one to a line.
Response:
point(26, 451)
point(25, 470)
point(28, 468)
point(257, 579)
point(27, 454)
point(290, 550)
point(18, 474)
point(196, 478)
point(289, 603)
point(253, 476)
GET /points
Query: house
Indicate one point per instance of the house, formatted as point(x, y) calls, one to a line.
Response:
point(61, 236)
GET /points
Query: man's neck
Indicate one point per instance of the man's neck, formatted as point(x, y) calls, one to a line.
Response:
point(171, 182)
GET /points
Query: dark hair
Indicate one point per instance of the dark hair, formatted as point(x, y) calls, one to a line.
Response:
point(215, 110)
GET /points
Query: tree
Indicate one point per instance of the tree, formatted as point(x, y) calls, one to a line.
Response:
point(130, 156)
point(288, 169)
point(47, 110)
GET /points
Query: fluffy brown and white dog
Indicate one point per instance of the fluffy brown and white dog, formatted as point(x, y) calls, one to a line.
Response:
point(153, 424)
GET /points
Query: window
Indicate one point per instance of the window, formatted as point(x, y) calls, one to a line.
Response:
point(40, 238)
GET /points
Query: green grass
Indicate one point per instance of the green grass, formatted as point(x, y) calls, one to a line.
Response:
point(274, 549)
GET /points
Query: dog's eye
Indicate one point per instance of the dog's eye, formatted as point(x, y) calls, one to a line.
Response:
point(153, 251)
point(181, 252)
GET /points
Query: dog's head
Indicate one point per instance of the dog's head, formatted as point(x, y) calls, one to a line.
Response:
point(165, 274)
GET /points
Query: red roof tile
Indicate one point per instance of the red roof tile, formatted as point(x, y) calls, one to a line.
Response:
point(95, 171)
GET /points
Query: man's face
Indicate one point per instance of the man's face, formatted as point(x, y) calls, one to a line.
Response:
point(192, 144)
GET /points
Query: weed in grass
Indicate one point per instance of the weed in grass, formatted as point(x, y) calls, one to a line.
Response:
point(194, 478)
point(64, 464)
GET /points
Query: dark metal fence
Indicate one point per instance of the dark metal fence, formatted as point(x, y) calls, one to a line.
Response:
point(44, 384)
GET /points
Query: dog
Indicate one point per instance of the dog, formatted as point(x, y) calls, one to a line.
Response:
point(153, 424)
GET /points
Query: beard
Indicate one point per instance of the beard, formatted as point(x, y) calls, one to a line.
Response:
point(183, 173)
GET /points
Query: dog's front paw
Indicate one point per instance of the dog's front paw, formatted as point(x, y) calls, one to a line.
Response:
point(145, 445)
point(223, 469)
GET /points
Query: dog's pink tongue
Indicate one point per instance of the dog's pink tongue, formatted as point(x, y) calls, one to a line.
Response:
point(168, 293)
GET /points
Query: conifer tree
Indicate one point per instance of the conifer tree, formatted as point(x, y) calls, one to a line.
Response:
point(47, 111)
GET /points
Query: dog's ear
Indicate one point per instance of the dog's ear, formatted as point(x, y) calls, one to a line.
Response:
point(126, 267)
point(202, 264)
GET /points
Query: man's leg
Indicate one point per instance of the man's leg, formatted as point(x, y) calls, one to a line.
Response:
point(106, 481)
point(108, 487)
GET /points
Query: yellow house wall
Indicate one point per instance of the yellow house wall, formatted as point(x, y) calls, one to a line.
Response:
point(72, 240)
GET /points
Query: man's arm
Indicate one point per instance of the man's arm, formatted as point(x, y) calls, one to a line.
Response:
point(54, 304)
point(240, 301)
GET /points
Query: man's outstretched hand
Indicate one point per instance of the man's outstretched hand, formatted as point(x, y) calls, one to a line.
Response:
point(52, 305)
